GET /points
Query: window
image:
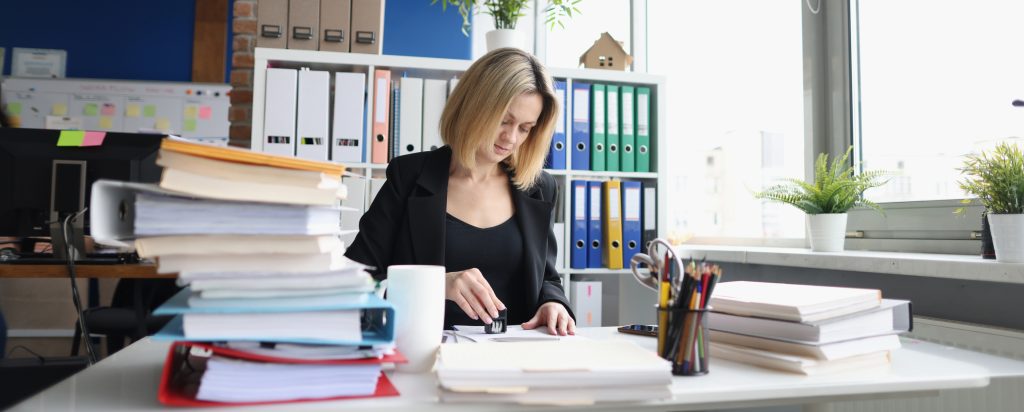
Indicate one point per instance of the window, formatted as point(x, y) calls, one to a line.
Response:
point(936, 81)
point(736, 113)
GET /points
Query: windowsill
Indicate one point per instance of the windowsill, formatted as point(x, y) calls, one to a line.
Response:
point(966, 267)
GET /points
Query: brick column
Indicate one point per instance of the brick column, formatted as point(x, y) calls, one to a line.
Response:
point(243, 42)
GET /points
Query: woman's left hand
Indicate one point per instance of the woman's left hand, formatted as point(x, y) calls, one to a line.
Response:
point(554, 315)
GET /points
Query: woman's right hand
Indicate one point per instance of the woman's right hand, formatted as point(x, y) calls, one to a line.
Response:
point(473, 294)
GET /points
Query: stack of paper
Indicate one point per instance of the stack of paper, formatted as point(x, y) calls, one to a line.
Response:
point(805, 329)
point(570, 372)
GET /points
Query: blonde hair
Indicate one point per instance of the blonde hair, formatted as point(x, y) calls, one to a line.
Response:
point(481, 99)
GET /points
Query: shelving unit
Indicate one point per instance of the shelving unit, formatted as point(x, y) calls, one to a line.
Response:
point(445, 69)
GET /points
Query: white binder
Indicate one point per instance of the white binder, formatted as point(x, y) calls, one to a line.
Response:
point(410, 134)
point(312, 132)
point(279, 112)
point(348, 137)
point(435, 95)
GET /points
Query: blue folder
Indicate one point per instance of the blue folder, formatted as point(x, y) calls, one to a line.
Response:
point(556, 156)
point(580, 158)
point(578, 254)
point(594, 234)
point(632, 225)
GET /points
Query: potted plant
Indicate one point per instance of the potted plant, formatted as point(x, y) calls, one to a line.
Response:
point(997, 179)
point(506, 14)
point(836, 190)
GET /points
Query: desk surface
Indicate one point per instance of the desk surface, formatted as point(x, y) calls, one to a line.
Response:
point(118, 271)
point(128, 381)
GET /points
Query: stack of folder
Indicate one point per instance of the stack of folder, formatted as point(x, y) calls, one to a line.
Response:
point(611, 128)
point(610, 222)
point(805, 329)
point(268, 293)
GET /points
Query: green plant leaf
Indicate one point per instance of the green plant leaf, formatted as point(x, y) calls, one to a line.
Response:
point(836, 189)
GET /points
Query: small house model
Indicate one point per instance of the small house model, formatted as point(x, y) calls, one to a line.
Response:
point(606, 53)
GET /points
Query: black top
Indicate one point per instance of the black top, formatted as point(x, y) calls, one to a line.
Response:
point(498, 253)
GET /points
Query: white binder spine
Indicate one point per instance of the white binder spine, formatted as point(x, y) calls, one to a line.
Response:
point(410, 135)
point(279, 113)
point(312, 131)
point(348, 138)
point(435, 95)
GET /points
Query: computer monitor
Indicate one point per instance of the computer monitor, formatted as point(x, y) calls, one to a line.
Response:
point(42, 183)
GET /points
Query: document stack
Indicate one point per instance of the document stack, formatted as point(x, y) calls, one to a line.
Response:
point(806, 329)
point(571, 372)
point(269, 296)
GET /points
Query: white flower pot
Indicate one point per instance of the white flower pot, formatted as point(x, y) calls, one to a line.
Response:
point(1008, 237)
point(828, 231)
point(499, 38)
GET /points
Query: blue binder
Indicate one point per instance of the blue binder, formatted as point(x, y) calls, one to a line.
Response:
point(594, 234)
point(578, 254)
point(556, 156)
point(632, 226)
point(580, 126)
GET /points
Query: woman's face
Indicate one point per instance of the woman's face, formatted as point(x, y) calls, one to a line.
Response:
point(515, 127)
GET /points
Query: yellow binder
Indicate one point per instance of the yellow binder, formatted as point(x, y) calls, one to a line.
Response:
point(611, 256)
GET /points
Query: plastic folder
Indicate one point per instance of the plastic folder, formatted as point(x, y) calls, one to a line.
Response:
point(597, 128)
point(381, 116)
point(612, 129)
point(594, 235)
point(611, 256)
point(631, 224)
point(556, 156)
point(578, 230)
point(643, 129)
point(627, 133)
point(580, 126)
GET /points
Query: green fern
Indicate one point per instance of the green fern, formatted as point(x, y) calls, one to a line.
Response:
point(996, 178)
point(836, 188)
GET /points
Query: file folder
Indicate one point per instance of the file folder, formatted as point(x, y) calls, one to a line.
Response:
point(612, 129)
point(580, 159)
point(272, 23)
point(611, 255)
point(357, 201)
point(597, 128)
point(312, 128)
point(556, 155)
point(349, 115)
point(627, 134)
point(335, 16)
point(303, 24)
point(631, 224)
point(650, 216)
point(435, 95)
point(594, 235)
point(279, 112)
point(381, 115)
point(367, 26)
point(410, 134)
point(643, 129)
point(580, 223)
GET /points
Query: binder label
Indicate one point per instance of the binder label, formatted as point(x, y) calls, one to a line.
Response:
point(595, 203)
point(382, 101)
point(627, 113)
point(632, 207)
point(642, 118)
point(581, 204)
point(598, 114)
point(613, 113)
point(613, 203)
point(649, 208)
point(580, 111)
point(560, 123)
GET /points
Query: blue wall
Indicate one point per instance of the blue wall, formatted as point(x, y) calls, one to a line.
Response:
point(152, 40)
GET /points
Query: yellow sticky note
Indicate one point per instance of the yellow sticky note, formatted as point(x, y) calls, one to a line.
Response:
point(189, 125)
point(132, 110)
point(59, 109)
point(149, 110)
point(163, 124)
point(106, 122)
point(90, 109)
point(190, 112)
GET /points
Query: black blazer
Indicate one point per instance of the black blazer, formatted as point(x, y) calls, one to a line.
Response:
point(405, 224)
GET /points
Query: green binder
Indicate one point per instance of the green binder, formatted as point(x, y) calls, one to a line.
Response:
point(597, 126)
point(612, 129)
point(643, 129)
point(627, 146)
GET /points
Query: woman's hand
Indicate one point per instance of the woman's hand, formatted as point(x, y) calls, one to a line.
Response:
point(555, 316)
point(473, 294)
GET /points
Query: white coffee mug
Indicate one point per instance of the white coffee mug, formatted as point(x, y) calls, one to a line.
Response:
point(417, 293)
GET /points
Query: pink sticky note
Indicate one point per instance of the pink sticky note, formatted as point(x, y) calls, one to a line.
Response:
point(108, 109)
point(205, 112)
point(94, 138)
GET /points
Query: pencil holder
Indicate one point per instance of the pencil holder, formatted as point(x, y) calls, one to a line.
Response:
point(683, 340)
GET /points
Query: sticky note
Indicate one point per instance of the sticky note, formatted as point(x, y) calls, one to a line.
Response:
point(108, 109)
point(71, 138)
point(59, 109)
point(132, 110)
point(189, 125)
point(163, 124)
point(14, 108)
point(94, 138)
point(91, 109)
point(190, 112)
point(205, 112)
point(149, 110)
point(106, 122)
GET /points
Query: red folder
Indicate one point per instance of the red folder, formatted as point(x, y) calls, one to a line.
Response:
point(179, 389)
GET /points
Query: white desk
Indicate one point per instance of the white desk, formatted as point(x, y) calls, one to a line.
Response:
point(128, 381)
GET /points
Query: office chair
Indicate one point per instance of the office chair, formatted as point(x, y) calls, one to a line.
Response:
point(129, 314)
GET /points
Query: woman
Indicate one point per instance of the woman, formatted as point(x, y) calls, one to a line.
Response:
point(481, 205)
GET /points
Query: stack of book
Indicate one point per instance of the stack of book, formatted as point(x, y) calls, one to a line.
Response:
point(571, 372)
point(805, 329)
point(268, 295)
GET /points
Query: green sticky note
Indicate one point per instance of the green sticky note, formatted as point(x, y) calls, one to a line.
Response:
point(189, 125)
point(71, 138)
point(149, 110)
point(90, 109)
point(14, 108)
